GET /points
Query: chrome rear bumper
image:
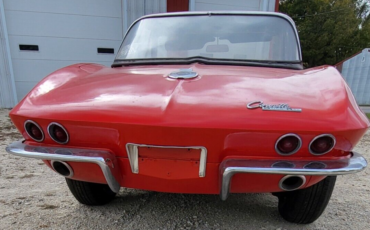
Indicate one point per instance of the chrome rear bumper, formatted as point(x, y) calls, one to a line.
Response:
point(103, 159)
point(230, 167)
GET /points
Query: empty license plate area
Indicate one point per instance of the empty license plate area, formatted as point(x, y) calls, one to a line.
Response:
point(170, 162)
point(185, 154)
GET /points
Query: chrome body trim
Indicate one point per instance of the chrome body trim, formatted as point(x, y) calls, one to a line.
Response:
point(294, 151)
point(230, 167)
point(317, 137)
point(61, 126)
point(283, 107)
point(99, 157)
point(133, 155)
point(70, 175)
point(34, 123)
point(183, 74)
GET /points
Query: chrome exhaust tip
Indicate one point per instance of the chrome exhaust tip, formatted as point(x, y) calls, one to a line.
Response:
point(62, 168)
point(292, 182)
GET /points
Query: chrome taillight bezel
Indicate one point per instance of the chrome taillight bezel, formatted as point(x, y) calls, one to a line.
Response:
point(51, 134)
point(295, 150)
point(29, 134)
point(317, 137)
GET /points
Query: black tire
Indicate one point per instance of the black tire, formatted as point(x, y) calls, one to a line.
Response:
point(304, 206)
point(90, 193)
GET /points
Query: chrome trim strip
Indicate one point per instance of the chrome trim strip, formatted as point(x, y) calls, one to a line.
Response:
point(80, 155)
point(202, 162)
point(294, 151)
point(230, 167)
point(289, 176)
point(70, 175)
point(61, 126)
point(133, 155)
point(317, 137)
point(34, 123)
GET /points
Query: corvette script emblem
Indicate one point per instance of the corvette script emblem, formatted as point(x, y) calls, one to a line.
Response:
point(279, 107)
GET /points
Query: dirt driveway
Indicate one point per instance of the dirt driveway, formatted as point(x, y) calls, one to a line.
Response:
point(34, 197)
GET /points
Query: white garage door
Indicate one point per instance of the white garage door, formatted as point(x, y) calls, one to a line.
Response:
point(240, 5)
point(45, 35)
point(134, 9)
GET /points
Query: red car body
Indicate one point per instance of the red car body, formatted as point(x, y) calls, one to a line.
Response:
point(145, 130)
point(106, 108)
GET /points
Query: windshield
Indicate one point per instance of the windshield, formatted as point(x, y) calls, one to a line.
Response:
point(225, 37)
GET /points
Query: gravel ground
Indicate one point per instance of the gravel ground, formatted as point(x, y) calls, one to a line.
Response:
point(34, 197)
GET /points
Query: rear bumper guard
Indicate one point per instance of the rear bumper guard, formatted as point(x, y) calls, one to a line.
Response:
point(230, 167)
point(103, 159)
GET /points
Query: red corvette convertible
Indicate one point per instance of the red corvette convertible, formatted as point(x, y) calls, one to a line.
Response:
point(198, 102)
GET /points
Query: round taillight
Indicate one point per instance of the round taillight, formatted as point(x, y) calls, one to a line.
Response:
point(34, 131)
point(322, 144)
point(288, 144)
point(58, 133)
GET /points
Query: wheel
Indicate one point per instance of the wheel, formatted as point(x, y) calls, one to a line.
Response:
point(304, 206)
point(90, 193)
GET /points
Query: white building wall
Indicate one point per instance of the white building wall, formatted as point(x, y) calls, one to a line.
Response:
point(216, 5)
point(267, 5)
point(66, 32)
point(7, 89)
point(239, 5)
point(356, 72)
point(134, 9)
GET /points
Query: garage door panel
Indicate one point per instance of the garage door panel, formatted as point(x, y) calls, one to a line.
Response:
point(66, 32)
point(246, 3)
point(62, 49)
point(155, 6)
point(65, 26)
point(108, 8)
point(23, 88)
point(214, 7)
point(36, 70)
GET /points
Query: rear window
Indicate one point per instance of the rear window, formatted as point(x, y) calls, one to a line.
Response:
point(232, 37)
